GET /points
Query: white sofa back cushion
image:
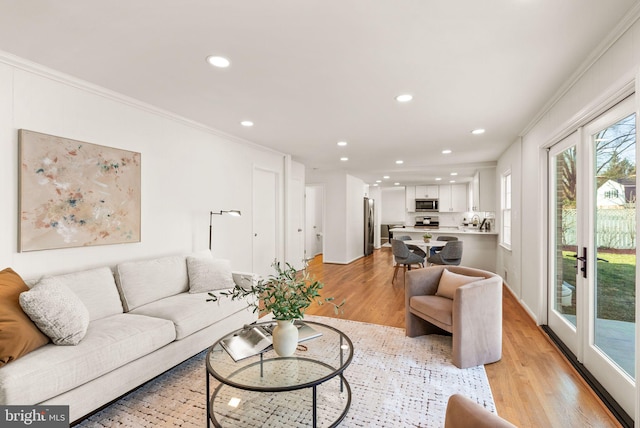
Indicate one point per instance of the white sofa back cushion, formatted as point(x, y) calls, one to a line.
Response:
point(146, 281)
point(96, 288)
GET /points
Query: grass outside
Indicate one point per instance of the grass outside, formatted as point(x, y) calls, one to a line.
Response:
point(616, 290)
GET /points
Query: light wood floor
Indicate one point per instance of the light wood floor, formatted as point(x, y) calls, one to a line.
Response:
point(533, 385)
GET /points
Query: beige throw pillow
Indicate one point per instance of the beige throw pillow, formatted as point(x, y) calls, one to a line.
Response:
point(449, 283)
point(57, 311)
point(208, 274)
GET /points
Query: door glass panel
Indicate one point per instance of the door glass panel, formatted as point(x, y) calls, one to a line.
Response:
point(565, 235)
point(615, 242)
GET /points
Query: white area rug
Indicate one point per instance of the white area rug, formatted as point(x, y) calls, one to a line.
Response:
point(395, 381)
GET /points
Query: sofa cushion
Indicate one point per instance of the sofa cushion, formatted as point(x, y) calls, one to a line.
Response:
point(57, 311)
point(438, 308)
point(190, 312)
point(97, 290)
point(208, 274)
point(450, 281)
point(146, 281)
point(109, 343)
point(18, 334)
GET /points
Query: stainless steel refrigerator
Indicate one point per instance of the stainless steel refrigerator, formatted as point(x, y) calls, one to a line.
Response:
point(368, 226)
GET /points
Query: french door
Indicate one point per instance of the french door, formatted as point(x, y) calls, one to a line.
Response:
point(592, 248)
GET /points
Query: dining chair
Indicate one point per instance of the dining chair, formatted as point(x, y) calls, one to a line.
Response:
point(445, 238)
point(413, 248)
point(403, 257)
point(451, 254)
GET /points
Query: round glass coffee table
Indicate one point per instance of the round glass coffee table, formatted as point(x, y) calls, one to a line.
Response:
point(306, 389)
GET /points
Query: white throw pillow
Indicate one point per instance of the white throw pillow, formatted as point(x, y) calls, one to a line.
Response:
point(57, 311)
point(208, 274)
point(449, 283)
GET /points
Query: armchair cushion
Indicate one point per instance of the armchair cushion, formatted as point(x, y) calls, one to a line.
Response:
point(437, 308)
point(449, 283)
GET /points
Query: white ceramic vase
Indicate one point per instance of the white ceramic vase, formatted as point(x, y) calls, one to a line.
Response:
point(285, 338)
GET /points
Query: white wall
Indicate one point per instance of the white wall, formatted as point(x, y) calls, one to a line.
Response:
point(355, 218)
point(314, 205)
point(608, 79)
point(187, 170)
point(334, 213)
point(343, 215)
point(508, 261)
point(375, 193)
point(394, 204)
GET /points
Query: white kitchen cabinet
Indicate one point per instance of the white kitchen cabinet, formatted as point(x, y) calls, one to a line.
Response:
point(410, 197)
point(427, 192)
point(482, 193)
point(487, 198)
point(453, 198)
point(474, 192)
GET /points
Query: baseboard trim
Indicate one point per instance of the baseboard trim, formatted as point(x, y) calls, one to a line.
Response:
point(617, 411)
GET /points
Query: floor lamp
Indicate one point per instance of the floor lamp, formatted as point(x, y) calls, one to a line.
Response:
point(234, 213)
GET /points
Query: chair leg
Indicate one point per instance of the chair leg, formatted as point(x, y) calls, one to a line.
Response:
point(395, 272)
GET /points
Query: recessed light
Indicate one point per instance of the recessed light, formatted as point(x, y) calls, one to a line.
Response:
point(218, 61)
point(454, 173)
point(399, 162)
point(386, 177)
point(342, 143)
point(396, 184)
point(344, 159)
point(446, 151)
point(477, 131)
point(234, 402)
point(438, 178)
point(246, 123)
point(452, 181)
point(378, 181)
point(404, 98)
point(375, 184)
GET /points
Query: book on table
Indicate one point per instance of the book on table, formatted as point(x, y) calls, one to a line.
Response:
point(255, 339)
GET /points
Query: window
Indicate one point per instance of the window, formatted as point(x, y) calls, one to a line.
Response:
point(506, 209)
point(611, 194)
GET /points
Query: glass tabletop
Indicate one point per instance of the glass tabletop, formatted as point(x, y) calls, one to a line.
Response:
point(314, 361)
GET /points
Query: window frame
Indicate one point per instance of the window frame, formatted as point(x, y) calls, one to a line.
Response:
point(506, 201)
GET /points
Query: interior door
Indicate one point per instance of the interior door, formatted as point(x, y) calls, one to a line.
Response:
point(296, 226)
point(592, 252)
point(266, 201)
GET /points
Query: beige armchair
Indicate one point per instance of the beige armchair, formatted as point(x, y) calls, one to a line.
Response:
point(436, 300)
point(464, 413)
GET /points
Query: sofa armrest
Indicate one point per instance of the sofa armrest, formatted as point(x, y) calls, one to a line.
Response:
point(245, 279)
point(462, 412)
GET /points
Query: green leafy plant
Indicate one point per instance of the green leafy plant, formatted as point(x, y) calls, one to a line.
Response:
point(287, 294)
point(427, 236)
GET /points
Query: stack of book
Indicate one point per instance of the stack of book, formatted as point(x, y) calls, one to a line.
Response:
point(255, 339)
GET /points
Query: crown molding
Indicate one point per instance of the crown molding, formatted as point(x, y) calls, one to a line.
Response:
point(57, 76)
point(631, 17)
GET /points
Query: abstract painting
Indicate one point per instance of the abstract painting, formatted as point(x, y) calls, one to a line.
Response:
point(75, 194)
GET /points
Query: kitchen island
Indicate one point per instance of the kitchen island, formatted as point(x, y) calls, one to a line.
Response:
point(479, 248)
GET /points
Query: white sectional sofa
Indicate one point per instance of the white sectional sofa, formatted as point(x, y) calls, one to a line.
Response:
point(143, 321)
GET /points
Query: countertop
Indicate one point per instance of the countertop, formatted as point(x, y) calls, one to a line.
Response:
point(452, 230)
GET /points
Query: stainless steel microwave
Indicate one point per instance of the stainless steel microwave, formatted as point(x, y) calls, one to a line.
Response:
point(426, 205)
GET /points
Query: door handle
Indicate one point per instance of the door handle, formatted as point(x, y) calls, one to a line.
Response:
point(583, 259)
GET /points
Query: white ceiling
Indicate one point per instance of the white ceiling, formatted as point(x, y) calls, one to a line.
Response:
point(309, 73)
